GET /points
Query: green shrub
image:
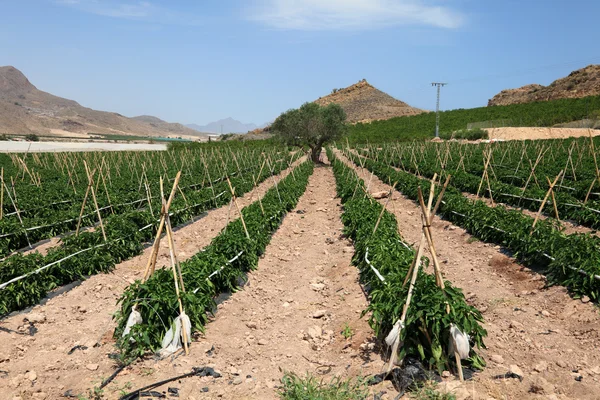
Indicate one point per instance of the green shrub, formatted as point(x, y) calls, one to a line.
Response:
point(468, 134)
point(32, 137)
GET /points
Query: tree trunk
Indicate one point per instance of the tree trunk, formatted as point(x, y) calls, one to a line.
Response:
point(315, 154)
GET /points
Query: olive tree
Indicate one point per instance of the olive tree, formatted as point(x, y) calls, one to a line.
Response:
point(311, 125)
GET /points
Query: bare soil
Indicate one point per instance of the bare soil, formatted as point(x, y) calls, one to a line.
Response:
point(542, 330)
point(526, 133)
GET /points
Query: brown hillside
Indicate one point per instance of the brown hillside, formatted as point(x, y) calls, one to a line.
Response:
point(580, 83)
point(363, 102)
point(25, 109)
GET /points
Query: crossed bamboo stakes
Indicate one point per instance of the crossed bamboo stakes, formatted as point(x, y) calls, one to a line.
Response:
point(427, 216)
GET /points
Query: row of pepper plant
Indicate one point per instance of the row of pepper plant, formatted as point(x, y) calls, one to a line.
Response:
point(156, 299)
point(79, 256)
point(427, 326)
point(53, 206)
point(569, 260)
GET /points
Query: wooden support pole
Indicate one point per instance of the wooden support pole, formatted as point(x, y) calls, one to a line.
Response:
point(151, 265)
point(539, 213)
point(238, 207)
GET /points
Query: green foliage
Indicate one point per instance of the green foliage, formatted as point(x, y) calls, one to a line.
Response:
point(126, 230)
point(467, 134)
point(347, 332)
point(32, 137)
point(427, 325)
point(156, 299)
point(311, 125)
point(422, 126)
point(310, 388)
point(569, 260)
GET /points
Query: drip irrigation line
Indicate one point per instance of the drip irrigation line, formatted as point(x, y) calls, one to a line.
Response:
point(113, 376)
point(195, 372)
point(381, 278)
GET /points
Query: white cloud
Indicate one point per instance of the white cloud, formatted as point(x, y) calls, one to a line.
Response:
point(131, 9)
point(352, 14)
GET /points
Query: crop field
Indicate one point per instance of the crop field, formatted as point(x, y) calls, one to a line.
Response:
point(245, 270)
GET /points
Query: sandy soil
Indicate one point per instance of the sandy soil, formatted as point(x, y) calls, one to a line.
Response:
point(40, 367)
point(515, 133)
point(19, 147)
point(543, 331)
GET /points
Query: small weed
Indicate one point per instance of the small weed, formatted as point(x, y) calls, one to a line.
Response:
point(472, 239)
point(428, 392)
point(347, 332)
point(310, 388)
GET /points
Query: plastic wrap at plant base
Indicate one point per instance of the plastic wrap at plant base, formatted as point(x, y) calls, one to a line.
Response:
point(225, 260)
point(426, 330)
point(135, 318)
point(180, 330)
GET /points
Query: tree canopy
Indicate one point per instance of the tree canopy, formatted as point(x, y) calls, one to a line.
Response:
point(311, 125)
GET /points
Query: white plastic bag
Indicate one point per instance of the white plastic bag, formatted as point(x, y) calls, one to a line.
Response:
point(134, 318)
point(174, 336)
point(459, 342)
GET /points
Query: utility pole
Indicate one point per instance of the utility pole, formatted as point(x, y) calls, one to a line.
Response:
point(437, 107)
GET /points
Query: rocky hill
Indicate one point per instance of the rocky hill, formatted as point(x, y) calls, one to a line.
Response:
point(25, 109)
point(580, 83)
point(363, 103)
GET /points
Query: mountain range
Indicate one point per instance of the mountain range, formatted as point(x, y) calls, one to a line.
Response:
point(579, 83)
point(226, 125)
point(25, 109)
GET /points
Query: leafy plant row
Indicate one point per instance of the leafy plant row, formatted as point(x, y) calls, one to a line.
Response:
point(39, 223)
point(156, 299)
point(427, 330)
point(569, 260)
point(125, 235)
point(568, 206)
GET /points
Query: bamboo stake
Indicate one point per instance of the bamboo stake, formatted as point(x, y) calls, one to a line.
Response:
point(238, 207)
point(259, 199)
point(150, 266)
point(174, 270)
point(91, 178)
point(171, 242)
point(544, 201)
point(553, 200)
point(87, 192)
point(15, 206)
point(2, 193)
point(383, 209)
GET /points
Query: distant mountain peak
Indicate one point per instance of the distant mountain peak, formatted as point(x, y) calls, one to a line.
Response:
point(363, 102)
point(25, 109)
point(225, 125)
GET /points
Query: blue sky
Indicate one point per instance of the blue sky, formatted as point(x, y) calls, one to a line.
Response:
point(198, 61)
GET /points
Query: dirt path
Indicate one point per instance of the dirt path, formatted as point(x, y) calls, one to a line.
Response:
point(83, 317)
point(543, 331)
point(288, 317)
